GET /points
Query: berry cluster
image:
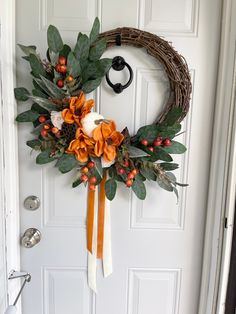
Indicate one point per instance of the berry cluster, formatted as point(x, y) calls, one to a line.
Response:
point(127, 174)
point(48, 128)
point(159, 141)
point(61, 68)
point(87, 175)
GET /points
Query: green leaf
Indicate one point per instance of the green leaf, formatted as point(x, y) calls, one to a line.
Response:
point(76, 183)
point(165, 184)
point(45, 103)
point(169, 166)
point(89, 86)
point(73, 65)
point(35, 144)
point(139, 189)
point(28, 50)
point(82, 47)
point(96, 69)
point(98, 165)
point(175, 148)
point(176, 193)
point(135, 152)
point(37, 108)
point(169, 131)
point(148, 132)
point(148, 173)
point(44, 158)
point(97, 50)
point(181, 184)
point(173, 116)
point(55, 42)
point(21, 93)
point(171, 177)
point(66, 163)
point(38, 93)
point(27, 116)
point(110, 189)
point(161, 154)
point(94, 31)
point(65, 51)
point(36, 66)
point(54, 90)
point(38, 84)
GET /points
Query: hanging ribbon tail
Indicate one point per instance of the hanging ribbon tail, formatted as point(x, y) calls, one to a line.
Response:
point(101, 218)
point(92, 240)
point(107, 254)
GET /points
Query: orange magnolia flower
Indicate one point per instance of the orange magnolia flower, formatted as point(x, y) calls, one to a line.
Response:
point(79, 107)
point(107, 140)
point(82, 146)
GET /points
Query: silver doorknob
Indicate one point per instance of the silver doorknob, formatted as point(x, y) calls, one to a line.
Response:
point(31, 237)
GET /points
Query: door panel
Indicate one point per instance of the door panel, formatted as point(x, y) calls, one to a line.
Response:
point(157, 244)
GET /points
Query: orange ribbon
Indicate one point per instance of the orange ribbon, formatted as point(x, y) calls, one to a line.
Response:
point(90, 220)
point(101, 219)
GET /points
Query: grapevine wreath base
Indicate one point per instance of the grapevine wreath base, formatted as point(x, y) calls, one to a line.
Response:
point(70, 134)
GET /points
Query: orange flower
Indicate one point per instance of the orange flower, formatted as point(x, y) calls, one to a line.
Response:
point(79, 107)
point(82, 146)
point(107, 140)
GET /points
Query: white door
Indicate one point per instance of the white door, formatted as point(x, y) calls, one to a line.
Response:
point(157, 244)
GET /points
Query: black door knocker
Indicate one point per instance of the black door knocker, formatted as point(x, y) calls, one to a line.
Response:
point(118, 64)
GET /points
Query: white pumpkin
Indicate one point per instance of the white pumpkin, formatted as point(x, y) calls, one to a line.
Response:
point(107, 164)
point(88, 122)
point(57, 119)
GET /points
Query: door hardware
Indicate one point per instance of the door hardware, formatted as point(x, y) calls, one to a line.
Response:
point(31, 237)
point(32, 202)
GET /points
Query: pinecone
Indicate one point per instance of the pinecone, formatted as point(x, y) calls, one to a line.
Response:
point(69, 130)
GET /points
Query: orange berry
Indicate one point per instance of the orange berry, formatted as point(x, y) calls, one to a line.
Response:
point(91, 164)
point(157, 142)
point(92, 187)
point(63, 69)
point(55, 130)
point(57, 67)
point(144, 142)
point(93, 180)
point(46, 126)
point(60, 83)
point(151, 149)
point(44, 132)
point(130, 175)
point(69, 78)
point(135, 172)
point(84, 178)
point(167, 142)
point(126, 163)
point(129, 183)
point(85, 170)
point(62, 60)
point(42, 119)
point(121, 171)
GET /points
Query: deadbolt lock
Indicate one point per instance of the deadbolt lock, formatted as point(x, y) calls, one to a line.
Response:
point(32, 202)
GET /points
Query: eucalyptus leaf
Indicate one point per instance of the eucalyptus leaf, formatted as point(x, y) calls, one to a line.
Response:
point(169, 166)
point(171, 177)
point(76, 183)
point(148, 173)
point(54, 90)
point(169, 131)
point(173, 116)
point(35, 144)
point(27, 116)
point(175, 148)
point(139, 189)
point(21, 93)
point(55, 42)
point(89, 86)
point(65, 51)
point(161, 154)
point(110, 189)
point(148, 132)
point(96, 69)
point(38, 93)
point(45, 103)
point(44, 158)
point(36, 66)
point(66, 163)
point(98, 165)
point(94, 31)
point(28, 49)
point(73, 65)
point(82, 47)
point(164, 184)
point(135, 152)
point(37, 108)
point(97, 50)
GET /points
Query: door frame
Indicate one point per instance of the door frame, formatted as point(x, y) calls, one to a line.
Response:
point(217, 243)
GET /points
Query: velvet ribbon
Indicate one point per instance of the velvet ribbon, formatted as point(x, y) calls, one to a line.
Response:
point(98, 234)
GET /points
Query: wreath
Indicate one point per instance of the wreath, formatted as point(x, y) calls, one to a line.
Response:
point(68, 132)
